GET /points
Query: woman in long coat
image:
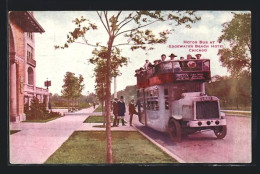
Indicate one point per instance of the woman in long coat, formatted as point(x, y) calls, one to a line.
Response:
point(121, 109)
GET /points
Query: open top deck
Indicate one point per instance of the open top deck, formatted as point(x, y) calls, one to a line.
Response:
point(174, 72)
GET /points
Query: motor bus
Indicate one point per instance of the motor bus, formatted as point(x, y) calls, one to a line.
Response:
point(171, 98)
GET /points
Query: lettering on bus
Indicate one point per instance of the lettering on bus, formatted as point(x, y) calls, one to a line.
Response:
point(189, 76)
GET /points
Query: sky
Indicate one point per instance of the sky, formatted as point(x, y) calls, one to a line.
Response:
point(53, 64)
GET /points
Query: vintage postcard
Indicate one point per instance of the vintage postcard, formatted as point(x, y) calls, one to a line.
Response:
point(129, 87)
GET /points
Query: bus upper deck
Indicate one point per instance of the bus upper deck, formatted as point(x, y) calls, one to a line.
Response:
point(174, 71)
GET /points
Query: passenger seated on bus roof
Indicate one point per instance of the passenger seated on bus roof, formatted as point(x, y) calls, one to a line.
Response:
point(137, 72)
point(182, 62)
point(156, 62)
point(163, 57)
point(190, 57)
point(147, 64)
point(172, 56)
point(199, 63)
point(156, 67)
point(198, 56)
point(141, 71)
point(176, 66)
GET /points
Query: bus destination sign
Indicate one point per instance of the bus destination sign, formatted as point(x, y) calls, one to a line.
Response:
point(187, 76)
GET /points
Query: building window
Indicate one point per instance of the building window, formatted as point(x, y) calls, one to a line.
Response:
point(30, 35)
point(29, 52)
point(30, 76)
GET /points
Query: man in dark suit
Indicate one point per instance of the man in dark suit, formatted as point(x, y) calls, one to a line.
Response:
point(115, 111)
point(121, 109)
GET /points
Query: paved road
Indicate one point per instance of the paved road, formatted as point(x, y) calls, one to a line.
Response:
point(205, 148)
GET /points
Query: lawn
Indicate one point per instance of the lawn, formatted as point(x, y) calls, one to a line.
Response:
point(98, 109)
point(42, 120)
point(95, 119)
point(89, 147)
point(14, 131)
point(237, 113)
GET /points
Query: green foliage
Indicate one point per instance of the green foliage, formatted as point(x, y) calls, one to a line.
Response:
point(237, 57)
point(73, 86)
point(100, 70)
point(129, 93)
point(38, 111)
point(232, 92)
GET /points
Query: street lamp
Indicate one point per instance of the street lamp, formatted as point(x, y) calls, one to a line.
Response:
point(47, 84)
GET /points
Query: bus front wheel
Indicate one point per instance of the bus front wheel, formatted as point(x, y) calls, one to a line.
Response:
point(174, 129)
point(220, 131)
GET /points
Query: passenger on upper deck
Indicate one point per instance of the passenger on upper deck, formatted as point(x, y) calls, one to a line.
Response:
point(199, 64)
point(190, 57)
point(198, 56)
point(147, 64)
point(163, 57)
point(172, 56)
point(156, 62)
point(137, 72)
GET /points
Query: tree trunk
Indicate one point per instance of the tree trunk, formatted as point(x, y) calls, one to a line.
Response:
point(108, 104)
point(103, 114)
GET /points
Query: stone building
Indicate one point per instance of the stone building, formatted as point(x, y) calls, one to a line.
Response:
point(22, 63)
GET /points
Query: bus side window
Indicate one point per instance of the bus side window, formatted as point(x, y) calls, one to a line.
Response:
point(156, 106)
point(148, 105)
point(166, 93)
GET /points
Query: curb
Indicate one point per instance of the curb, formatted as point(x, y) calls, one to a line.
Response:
point(161, 147)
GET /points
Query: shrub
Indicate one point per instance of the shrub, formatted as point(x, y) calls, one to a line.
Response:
point(38, 111)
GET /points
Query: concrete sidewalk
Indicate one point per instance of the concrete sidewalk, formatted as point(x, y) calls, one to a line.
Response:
point(36, 142)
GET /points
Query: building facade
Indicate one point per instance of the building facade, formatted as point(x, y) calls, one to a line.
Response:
point(22, 64)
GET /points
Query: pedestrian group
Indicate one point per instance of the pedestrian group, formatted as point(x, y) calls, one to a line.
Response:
point(119, 110)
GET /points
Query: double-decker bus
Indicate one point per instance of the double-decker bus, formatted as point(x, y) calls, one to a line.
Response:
point(171, 97)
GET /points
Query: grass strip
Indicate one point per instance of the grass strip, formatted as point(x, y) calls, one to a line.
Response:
point(14, 131)
point(89, 147)
point(42, 120)
point(98, 109)
point(95, 119)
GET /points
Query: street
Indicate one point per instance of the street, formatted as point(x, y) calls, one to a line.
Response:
point(203, 147)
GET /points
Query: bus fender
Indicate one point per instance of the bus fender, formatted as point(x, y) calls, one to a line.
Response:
point(222, 115)
point(177, 117)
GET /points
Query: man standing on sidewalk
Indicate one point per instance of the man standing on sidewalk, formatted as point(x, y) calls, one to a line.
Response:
point(115, 111)
point(132, 111)
point(121, 109)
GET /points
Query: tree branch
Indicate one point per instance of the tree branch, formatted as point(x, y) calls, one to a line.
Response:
point(118, 14)
point(86, 41)
point(127, 44)
point(123, 25)
point(109, 31)
point(100, 17)
point(138, 27)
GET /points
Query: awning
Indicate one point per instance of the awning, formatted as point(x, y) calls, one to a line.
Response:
point(26, 21)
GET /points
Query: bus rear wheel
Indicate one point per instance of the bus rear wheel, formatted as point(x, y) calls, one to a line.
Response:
point(220, 131)
point(174, 129)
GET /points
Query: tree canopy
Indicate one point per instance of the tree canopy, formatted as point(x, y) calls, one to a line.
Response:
point(237, 33)
point(73, 86)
